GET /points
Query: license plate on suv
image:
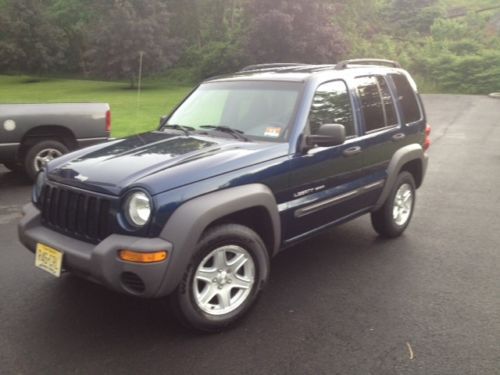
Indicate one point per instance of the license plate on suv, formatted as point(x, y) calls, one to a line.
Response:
point(49, 259)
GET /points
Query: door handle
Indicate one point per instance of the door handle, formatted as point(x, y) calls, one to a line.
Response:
point(398, 136)
point(351, 151)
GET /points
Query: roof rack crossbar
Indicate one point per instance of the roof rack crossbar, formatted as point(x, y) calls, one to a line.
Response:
point(269, 66)
point(345, 63)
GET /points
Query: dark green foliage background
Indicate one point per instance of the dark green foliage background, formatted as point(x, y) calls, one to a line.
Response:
point(448, 45)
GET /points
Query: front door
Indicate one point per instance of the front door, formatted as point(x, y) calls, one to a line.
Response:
point(325, 181)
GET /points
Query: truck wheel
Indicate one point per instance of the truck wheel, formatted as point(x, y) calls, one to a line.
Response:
point(394, 216)
point(223, 280)
point(40, 154)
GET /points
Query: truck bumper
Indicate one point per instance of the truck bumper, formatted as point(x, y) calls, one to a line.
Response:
point(425, 163)
point(100, 263)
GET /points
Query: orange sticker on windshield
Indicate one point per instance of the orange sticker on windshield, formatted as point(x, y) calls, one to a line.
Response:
point(272, 132)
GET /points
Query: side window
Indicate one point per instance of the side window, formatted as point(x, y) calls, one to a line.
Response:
point(376, 103)
point(407, 98)
point(390, 111)
point(331, 105)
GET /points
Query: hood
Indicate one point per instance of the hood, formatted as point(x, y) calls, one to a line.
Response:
point(121, 164)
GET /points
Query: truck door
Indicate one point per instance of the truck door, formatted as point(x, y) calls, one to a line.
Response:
point(325, 181)
point(382, 131)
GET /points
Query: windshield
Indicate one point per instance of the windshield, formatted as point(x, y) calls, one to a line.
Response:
point(258, 109)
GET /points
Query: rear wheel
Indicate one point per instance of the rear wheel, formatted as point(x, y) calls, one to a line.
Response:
point(40, 154)
point(224, 279)
point(394, 216)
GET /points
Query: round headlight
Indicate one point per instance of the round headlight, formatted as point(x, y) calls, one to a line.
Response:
point(138, 208)
point(37, 188)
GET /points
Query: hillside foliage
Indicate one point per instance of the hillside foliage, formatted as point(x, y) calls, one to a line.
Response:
point(449, 45)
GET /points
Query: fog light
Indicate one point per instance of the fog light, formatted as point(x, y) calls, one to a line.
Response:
point(140, 257)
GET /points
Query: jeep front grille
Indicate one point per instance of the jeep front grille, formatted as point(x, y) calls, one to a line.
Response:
point(80, 215)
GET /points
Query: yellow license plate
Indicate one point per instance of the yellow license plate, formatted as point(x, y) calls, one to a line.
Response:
point(48, 259)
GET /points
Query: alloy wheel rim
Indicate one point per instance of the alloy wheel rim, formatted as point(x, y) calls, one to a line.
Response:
point(223, 280)
point(403, 204)
point(44, 156)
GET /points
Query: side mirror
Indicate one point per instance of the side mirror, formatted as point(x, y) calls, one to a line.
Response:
point(328, 135)
point(162, 119)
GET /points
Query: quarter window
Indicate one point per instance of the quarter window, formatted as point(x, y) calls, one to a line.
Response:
point(376, 103)
point(331, 105)
point(407, 98)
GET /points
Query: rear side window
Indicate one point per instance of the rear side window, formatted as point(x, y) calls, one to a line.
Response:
point(390, 110)
point(407, 98)
point(331, 105)
point(376, 103)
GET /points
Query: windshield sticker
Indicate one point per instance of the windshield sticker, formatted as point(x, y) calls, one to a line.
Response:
point(272, 132)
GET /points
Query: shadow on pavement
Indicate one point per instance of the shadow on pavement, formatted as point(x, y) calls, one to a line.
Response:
point(10, 179)
point(74, 306)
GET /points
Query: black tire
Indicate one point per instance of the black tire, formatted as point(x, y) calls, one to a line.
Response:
point(183, 300)
point(13, 166)
point(383, 220)
point(38, 148)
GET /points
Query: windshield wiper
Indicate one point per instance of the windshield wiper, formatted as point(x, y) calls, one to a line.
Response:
point(183, 128)
point(236, 133)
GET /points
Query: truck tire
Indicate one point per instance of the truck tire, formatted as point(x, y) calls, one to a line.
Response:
point(393, 217)
point(227, 272)
point(41, 153)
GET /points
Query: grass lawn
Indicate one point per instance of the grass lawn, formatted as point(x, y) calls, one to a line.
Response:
point(129, 116)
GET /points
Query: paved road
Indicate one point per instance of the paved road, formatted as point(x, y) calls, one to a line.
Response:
point(343, 303)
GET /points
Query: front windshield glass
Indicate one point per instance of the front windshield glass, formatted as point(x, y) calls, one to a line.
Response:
point(262, 110)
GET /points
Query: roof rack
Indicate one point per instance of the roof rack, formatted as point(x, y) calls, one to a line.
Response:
point(269, 66)
point(345, 63)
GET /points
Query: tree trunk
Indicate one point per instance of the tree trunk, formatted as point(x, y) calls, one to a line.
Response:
point(133, 81)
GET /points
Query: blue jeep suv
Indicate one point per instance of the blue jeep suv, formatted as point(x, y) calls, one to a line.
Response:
point(247, 165)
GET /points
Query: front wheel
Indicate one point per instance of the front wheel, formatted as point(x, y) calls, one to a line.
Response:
point(393, 217)
point(224, 279)
point(40, 154)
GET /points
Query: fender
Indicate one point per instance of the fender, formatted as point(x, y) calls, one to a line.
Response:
point(402, 156)
point(186, 225)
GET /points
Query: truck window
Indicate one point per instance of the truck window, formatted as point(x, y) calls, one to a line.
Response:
point(260, 109)
point(406, 98)
point(390, 110)
point(376, 103)
point(331, 105)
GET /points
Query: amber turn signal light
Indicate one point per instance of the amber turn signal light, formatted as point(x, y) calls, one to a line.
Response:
point(140, 257)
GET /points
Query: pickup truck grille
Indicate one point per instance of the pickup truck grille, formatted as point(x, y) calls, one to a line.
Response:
point(80, 215)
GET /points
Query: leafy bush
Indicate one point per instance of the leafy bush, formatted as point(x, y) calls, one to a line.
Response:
point(216, 57)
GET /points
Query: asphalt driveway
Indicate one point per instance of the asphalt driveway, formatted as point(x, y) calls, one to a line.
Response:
point(345, 302)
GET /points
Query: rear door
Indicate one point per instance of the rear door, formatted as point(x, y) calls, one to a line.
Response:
point(381, 128)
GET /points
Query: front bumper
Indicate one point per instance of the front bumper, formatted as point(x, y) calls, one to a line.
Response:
point(100, 263)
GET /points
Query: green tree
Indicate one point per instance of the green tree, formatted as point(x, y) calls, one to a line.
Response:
point(131, 28)
point(74, 17)
point(29, 40)
point(213, 30)
point(410, 16)
point(298, 30)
